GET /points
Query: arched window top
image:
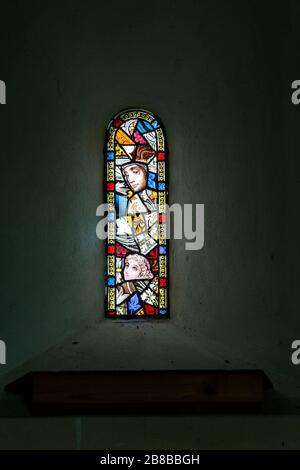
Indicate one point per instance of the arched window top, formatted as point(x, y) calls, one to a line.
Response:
point(136, 189)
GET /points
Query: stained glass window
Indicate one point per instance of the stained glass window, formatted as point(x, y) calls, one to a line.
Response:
point(136, 192)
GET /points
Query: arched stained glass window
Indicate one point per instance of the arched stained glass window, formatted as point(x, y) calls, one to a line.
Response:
point(136, 189)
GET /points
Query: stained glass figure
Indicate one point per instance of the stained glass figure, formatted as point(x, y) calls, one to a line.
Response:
point(137, 193)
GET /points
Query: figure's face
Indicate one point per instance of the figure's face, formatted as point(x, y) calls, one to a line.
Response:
point(132, 269)
point(135, 177)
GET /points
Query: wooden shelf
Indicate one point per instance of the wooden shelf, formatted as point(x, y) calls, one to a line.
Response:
point(166, 391)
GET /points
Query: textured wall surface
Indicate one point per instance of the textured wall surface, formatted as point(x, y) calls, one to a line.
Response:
point(218, 75)
point(151, 432)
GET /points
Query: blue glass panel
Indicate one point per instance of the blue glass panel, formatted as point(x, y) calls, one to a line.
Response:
point(144, 127)
point(151, 180)
point(121, 205)
point(134, 304)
